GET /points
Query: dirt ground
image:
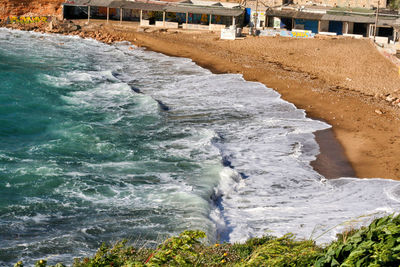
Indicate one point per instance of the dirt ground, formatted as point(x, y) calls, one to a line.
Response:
point(345, 82)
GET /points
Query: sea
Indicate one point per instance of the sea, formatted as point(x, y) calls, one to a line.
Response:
point(100, 143)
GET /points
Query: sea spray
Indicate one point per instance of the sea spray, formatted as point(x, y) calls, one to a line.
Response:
point(101, 143)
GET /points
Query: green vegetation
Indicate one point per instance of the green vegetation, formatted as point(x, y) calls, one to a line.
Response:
point(394, 4)
point(375, 245)
point(367, 11)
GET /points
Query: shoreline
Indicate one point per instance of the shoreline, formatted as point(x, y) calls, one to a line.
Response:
point(356, 135)
point(365, 126)
point(331, 162)
point(331, 155)
point(327, 144)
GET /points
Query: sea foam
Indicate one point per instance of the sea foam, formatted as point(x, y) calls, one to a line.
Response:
point(131, 143)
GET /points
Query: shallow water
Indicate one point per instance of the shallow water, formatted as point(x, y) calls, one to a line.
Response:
point(101, 143)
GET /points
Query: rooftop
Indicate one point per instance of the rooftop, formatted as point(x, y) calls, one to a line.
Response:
point(181, 6)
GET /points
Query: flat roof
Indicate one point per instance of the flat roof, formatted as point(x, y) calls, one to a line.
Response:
point(138, 5)
point(294, 14)
point(88, 2)
point(184, 7)
point(382, 20)
point(221, 11)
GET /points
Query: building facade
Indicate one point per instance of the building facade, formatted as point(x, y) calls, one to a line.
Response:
point(368, 4)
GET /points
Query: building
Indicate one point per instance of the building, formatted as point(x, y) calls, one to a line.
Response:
point(191, 14)
point(334, 21)
point(338, 16)
point(369, 4)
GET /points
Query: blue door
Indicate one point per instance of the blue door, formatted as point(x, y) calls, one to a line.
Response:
point(336, 26)
point(247, 16)
point(310, 25)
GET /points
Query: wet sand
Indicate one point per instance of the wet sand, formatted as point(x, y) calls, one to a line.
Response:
point(369, 140)
point(332, 161)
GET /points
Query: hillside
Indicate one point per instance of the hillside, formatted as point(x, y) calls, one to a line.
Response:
point(30, 7)
point(375, 245)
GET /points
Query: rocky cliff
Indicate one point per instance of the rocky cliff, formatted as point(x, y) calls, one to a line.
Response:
point(30, 8)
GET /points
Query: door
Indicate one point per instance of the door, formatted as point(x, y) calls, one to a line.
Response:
point(336, 26)
point(310, 25)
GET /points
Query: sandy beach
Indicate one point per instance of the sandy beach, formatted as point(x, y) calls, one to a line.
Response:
point(342, 81)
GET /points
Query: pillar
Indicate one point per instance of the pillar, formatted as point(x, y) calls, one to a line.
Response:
point(163, 18)
point(372, 30)
point(394, 41)
point(120, 15)
point(108, 14)
point(187, 17)
point(346, 28)
point(233, 21)
point(141, 17)
point(88, 14)
point(209, 23)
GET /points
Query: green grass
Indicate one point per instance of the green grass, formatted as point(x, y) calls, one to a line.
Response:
point(353, 9)
point(375, 245)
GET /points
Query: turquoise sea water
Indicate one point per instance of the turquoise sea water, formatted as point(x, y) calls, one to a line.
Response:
point(100, 143)
point(80, 155)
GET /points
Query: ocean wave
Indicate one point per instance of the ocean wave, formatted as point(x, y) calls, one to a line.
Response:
point(136, 143)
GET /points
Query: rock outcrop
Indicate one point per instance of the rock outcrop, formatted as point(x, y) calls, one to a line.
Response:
point(30, 8)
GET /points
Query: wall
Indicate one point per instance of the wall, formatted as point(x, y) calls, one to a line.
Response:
point(311, 25)
point(262, 4)
point(351, 27)
point(260, 20)
point(324, 26)
point(167, 24)
point(195, 26)
point(344, 3)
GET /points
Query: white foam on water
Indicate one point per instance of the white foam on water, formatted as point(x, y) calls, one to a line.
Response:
point(53, 80)
point(229, 156)
point(271, 143)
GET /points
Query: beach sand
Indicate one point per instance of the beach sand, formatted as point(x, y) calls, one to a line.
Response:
point(342, 81)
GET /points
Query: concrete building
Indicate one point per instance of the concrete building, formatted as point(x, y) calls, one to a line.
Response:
point(189, 14)
point(333, 21)
point(369, 4)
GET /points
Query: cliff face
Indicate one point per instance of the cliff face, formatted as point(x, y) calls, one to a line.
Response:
point(30, 8)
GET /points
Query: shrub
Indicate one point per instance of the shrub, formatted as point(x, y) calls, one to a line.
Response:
point(375, 245)
point(285, 251)
point(178, 251)
point(117, 255)
point(394, 4)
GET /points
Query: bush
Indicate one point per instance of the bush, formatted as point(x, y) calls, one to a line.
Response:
point(178, 251)
point(375, 245)
point(285, 251)
point(394, 4)
point(117, 255)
